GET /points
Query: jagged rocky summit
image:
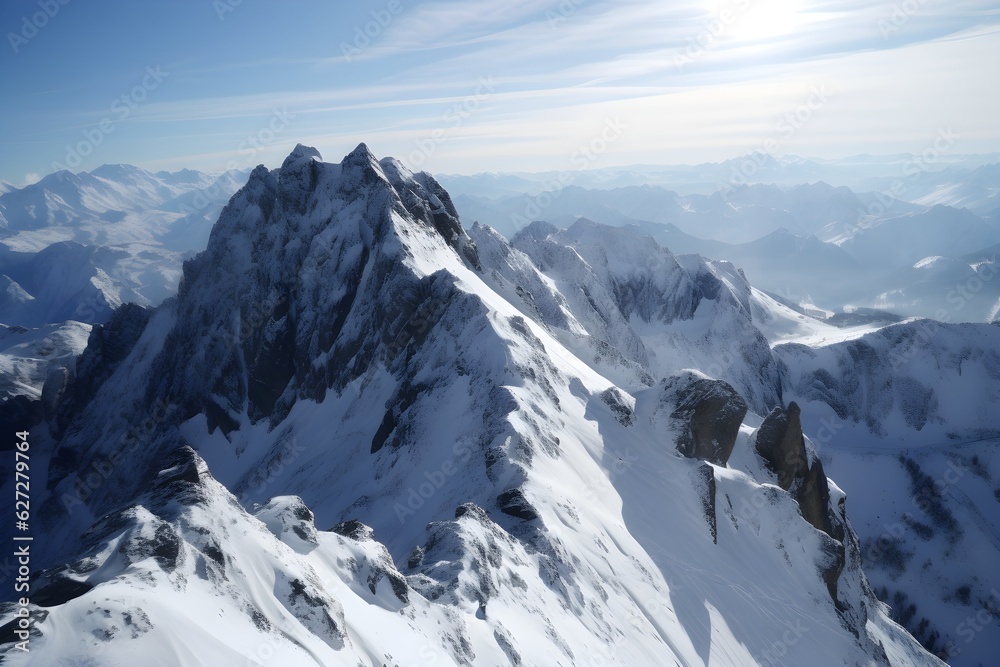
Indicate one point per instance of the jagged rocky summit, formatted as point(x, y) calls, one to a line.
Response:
point(363, 435)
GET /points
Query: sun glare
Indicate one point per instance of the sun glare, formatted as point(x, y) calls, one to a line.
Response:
point(757, 20)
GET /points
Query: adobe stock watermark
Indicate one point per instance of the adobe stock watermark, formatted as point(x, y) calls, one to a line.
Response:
point(264, 653)
point(714, 28)
point(254, 321)
point(658, 606)
point(912, 169)
point(958, 296)
point(249, 148)
point(32, 24)
point(972, 625)
point(423, 316)
point(95, 307)
point(775, 653)
point(562, 13)
point(785, 128)
point(899, 16)
point(266, 135)
point(582, 158)
point(365, 34)
point(223, 7)
point(121, 108)
point(453, 118)
point(966, 290)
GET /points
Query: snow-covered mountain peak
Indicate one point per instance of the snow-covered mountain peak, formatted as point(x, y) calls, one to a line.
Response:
point(119, 172)
point(363, 438)
point(302, 153)
point(538, 230)
point(57, 177)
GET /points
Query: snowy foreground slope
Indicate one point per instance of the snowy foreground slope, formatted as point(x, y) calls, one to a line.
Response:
point(905, 415)
point(361, 436)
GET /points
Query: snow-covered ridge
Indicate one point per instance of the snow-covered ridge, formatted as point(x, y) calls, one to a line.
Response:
point(362, 438)
point(907, 415)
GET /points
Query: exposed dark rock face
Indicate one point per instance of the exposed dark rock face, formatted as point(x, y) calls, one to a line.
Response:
point(395, 411)
point(109, 344)
point(616, 400)
point(813, 495)
point(708, 417)
point(782, 446)
point(287, 516)
point(287, 305)
point(270, 333)
point(274, 365)
point(427, 200)
point(355, 530)
point(704, 481)
point(18, 413)
point(621, 278)
point(67, 391)
point(833, 558)
point(396, 581)
point(59, 591)
point(181, 478)
point(513, 503)
point(164, 546)
point(780, 443)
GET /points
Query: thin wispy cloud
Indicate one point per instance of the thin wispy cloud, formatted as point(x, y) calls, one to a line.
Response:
point(555, 67)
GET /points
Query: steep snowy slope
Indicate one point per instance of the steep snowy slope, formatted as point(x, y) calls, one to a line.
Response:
point(904, 240)
point(484, 496)
point(911, 431)
point(27, 356)
point(977, 190)
point(957, 289)
point(635, 299)
point(69, 281)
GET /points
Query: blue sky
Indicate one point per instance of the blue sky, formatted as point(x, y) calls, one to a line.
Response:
point(490, 85)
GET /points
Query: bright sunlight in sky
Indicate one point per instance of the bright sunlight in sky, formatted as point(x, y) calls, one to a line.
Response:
point(488, 85)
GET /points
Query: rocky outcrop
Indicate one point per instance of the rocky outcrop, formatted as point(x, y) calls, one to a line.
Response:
point(707, 417)
point(780, 443)
point(782, 446)
point(425, 199)
point(514, 503)
point(620, 405)
point(375, 565)
point(703, 480)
